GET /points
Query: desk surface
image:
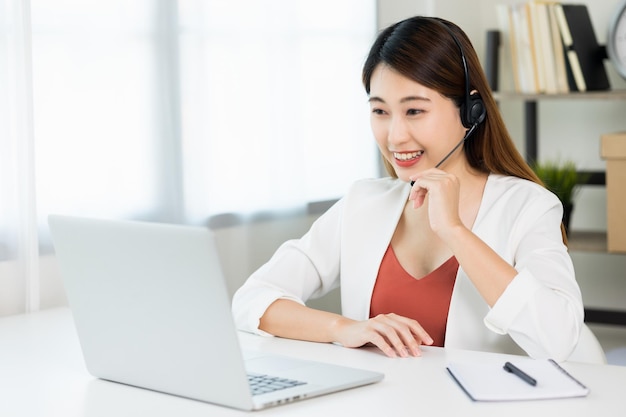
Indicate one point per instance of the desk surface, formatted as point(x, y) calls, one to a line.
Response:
point(42, 374)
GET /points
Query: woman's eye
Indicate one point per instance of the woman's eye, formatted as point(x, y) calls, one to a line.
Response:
point(413, 112)
point(379, 112)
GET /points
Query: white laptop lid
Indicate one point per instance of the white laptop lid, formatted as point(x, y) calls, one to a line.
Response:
point(152, 310)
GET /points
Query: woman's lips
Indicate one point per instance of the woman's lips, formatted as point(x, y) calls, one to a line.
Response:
point(405, 159)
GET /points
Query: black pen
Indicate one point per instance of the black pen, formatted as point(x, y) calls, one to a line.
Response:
point(509, 367)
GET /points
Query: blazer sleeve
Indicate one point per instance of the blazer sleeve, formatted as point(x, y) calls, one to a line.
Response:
point(300, 269)
point(542, 307)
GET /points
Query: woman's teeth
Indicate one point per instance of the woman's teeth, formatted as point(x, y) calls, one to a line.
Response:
point(405, 156)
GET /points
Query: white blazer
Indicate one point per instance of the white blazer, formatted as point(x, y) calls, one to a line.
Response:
point(541, 310)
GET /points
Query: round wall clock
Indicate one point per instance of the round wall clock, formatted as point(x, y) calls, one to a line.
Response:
point(616, 39)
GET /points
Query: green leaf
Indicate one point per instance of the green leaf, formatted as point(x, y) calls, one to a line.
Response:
point(561, 178)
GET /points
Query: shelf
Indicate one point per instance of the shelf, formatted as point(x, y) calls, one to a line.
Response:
point(587, 241)
point(589, 95)
point(602, 316)
point(531, 115)
point(595, 242)
point(594, 177)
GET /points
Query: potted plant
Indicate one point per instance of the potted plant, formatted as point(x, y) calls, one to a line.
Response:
point(562, 179)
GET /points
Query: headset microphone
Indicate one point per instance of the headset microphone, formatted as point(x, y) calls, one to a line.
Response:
point(467, 135)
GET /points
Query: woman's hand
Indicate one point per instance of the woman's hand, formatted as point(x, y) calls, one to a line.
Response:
point(394, 335)
point(443, 197)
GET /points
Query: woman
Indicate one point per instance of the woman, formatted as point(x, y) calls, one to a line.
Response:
point(460, 247)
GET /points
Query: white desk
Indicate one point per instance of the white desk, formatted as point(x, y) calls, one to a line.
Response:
point(42, 374)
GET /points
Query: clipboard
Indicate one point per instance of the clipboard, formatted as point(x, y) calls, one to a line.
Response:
point(488, 381)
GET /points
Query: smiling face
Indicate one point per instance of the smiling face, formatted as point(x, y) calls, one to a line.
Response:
point(415, 127)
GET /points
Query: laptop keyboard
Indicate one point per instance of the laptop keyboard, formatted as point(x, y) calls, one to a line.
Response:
point(262, 384)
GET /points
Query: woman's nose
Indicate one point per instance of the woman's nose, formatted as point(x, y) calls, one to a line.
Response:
point(398, 131)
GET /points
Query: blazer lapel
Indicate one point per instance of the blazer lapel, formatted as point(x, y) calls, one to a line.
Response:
point(373, 220)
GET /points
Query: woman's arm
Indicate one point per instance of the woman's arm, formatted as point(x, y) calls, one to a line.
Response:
point(489, 273)
point(393, 334)
point(533, 293)
point(272, 301)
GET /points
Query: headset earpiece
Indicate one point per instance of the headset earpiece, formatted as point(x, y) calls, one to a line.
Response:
point(473, 111)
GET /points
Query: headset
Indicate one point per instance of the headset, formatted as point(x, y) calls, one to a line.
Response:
point(473, 111)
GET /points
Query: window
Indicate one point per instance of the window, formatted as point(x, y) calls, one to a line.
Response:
point(161, 111)
point(276, 87)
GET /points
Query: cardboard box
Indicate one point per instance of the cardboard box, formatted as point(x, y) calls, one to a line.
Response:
point(613, 150)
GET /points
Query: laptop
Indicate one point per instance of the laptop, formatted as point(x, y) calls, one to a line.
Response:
point(152, 310)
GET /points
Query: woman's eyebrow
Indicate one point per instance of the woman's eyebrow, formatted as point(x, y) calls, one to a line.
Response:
point(414, 98)
point(402, 100)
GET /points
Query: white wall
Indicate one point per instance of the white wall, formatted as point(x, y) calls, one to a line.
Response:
point(245, 247)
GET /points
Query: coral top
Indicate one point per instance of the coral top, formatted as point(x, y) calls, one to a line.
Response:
point(426, 300)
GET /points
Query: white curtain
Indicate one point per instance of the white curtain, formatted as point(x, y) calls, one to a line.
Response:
point(172, 111)
point(276, 86)
point(19, 275)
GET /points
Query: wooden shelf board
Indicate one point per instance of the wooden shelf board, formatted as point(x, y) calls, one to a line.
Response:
point(580, 241)
point(589, 95)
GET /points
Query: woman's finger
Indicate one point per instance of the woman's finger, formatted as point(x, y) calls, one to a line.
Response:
point(399, 333)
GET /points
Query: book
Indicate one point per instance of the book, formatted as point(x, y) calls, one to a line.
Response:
point(536, 31)
point(489, 381)
point(558, 51)
point(542, 26)
point(509, 62)
point(575, 78)
point(524, 48)
point(585, 57)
